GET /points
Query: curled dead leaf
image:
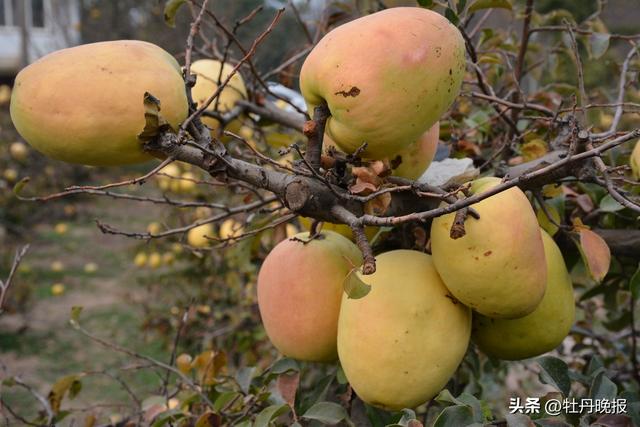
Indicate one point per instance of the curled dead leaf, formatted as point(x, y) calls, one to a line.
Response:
point(595, 253)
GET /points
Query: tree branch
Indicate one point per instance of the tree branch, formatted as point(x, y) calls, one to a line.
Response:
point(4, 286)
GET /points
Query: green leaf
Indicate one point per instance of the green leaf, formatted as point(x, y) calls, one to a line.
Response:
point(451, 16)
point(454, 416)
point(317, 394)
point(269, 414)
point(545, 218)
point(378, 417)
point(634, 284)
point(327, 413)
point(284, 365)
point(408, 419)
point(167, 416)
point(465, 399)
point(599, 43)
point(490, 4)
point(475, 405)
point(634, 412)
point(609, 204)
point(170, 9)
point(618, 321)
point(340, 376)
point(518, 420)
point(445, 396)
point(354, 287)
point(425, 3)
point(408, 415)
point(461, 5)
point(244, 377)
point(603, 388)
point(555, 372)
point(595, 365)
point(551, 422)
point(224, 398)
point(17, 189)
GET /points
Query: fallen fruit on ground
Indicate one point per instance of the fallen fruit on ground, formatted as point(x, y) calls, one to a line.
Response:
point(168, 258)
point(19, 151)
point(498, 267)
point(400, 344)
point(11, 175)
point(385, 87)
point(90, 267)
point(57, 289)
point(300, 287)
point(538, 332)
point(57, 266)
point(85, 104)
point(140, 260)
point(61, 228)
point(197, 236)
point(210, 74)
point(155, 260)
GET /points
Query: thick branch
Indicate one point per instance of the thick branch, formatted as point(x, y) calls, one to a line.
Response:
point(312, 197)
point(271, 112)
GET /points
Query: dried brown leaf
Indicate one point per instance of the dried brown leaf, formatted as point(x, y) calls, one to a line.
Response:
point(287, 384)
point(595, 252)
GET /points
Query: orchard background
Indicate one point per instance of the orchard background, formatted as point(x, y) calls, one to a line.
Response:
point(109, 293)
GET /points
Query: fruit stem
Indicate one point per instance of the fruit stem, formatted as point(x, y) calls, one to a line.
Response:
point(314, 131)
point(457, 228)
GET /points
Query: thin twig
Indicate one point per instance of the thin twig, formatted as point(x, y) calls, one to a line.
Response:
point(4, 286)
point(149, 359)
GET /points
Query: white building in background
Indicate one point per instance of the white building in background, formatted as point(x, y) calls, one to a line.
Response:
point(30, 29)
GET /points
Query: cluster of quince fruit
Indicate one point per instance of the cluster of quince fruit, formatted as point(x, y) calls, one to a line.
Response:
point(504, 283)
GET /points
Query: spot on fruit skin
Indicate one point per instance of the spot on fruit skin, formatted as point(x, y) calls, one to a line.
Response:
point(354, 91)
